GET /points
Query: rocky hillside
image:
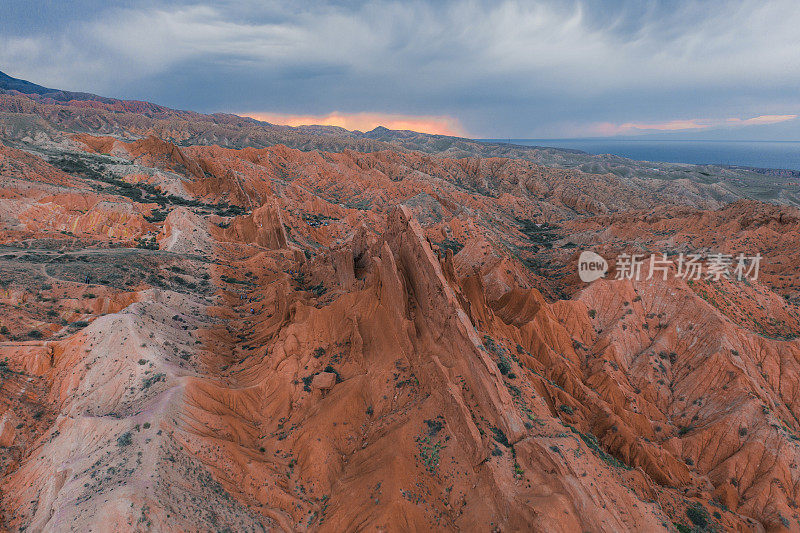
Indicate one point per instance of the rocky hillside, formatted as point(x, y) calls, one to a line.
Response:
point(210, 323)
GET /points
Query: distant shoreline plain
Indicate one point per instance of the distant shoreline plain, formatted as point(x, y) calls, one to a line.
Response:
point(756, 154)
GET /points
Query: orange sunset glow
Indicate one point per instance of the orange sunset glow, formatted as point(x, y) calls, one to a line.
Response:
point(439, 125)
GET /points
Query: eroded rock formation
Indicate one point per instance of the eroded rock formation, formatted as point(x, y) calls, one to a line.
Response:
point(356, 335)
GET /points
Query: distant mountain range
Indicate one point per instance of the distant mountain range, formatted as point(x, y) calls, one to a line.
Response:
point(9, 84)
point(133, 119)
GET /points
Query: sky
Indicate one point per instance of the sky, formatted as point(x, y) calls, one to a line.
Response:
point(518, 69)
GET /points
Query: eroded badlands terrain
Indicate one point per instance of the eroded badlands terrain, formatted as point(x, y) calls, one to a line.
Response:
point(214, 324)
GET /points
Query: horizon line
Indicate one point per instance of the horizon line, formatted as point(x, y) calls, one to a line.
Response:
point(505, 139)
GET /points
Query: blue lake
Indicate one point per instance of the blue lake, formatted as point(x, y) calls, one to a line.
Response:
point(763, 154)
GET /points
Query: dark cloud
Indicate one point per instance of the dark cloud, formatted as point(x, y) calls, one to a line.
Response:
point(503, 69)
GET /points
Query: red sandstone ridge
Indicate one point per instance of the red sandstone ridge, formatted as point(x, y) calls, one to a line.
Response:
point(263, 227)
point(214, 335)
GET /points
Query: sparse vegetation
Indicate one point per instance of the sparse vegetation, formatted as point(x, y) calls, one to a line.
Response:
point(698, 515)
point(149, 381)
point(429, 453)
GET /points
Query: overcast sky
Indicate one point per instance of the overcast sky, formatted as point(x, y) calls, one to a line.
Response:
point(536, 69)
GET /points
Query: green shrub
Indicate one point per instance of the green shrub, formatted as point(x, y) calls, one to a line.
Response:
point(150, 380)
point(500, 436)
point(126, 439)
point(504, 365)
point(698, 515)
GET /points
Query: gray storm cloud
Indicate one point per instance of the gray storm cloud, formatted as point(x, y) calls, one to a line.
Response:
point(519, 69)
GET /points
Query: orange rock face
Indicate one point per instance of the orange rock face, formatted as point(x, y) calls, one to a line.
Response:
point(206, 337)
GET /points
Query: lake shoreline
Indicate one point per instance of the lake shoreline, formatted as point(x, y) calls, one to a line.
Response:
point(747, 155)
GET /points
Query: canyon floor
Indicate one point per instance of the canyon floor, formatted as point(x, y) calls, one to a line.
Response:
point(209, 323)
